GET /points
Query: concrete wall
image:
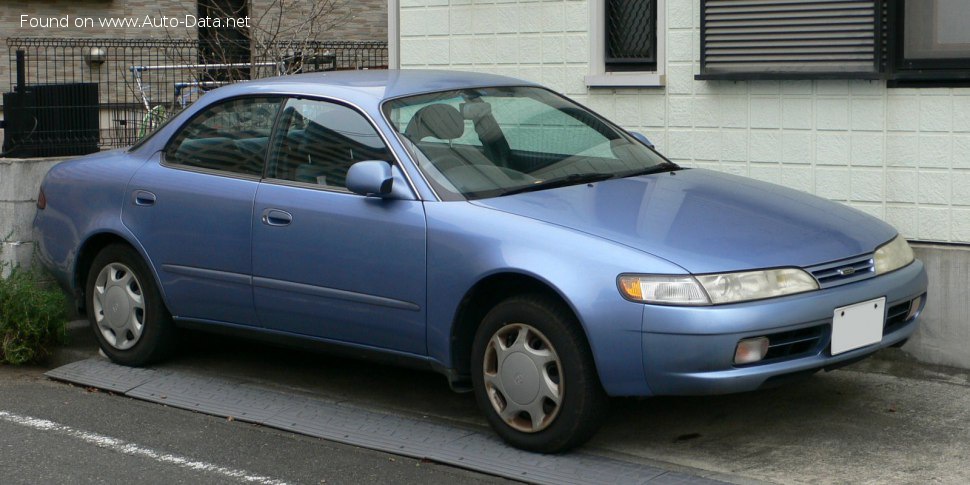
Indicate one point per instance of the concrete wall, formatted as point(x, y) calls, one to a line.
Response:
point(902, 155)
point(19, 182)
point(944, 336)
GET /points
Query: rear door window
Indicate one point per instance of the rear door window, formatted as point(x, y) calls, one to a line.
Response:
point(231, 137)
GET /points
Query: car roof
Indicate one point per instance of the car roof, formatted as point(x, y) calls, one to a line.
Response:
point(370, 87)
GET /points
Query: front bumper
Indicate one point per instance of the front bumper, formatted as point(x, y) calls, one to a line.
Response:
point(690, 350)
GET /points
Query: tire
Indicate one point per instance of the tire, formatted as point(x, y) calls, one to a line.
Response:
point(126, 310)
point(531, 350)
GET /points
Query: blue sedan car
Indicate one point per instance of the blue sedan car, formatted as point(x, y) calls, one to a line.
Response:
point(481, 226)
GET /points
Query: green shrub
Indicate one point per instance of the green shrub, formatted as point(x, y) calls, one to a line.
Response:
point(33, 317)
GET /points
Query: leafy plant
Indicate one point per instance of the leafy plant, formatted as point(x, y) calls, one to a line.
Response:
point(33, 317)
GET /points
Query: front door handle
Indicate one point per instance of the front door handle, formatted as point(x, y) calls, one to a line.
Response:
point(144, 198)
point(276, 217)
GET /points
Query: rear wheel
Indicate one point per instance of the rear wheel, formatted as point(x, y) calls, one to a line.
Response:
point(125, 308)
point(534, 376)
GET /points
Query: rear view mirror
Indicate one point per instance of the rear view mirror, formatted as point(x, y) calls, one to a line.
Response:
point(370, 178)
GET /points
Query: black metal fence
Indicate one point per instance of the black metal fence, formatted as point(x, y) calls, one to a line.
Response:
point(71, 96)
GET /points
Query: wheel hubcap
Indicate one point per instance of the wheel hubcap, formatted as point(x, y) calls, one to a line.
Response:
point(523, 377)
point(119, 306)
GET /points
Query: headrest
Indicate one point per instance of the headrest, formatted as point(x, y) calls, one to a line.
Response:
point(441, 121)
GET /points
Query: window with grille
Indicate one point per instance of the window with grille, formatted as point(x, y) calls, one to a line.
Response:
point(631, 35)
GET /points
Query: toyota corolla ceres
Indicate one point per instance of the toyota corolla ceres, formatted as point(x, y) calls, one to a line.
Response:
point(482, 226)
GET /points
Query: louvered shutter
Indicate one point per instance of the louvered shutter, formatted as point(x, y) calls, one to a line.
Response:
point(791, 38)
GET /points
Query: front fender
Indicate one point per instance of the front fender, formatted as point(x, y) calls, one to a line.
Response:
point(467, 243)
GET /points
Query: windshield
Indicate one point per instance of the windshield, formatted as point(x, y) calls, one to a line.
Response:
point(489, 142)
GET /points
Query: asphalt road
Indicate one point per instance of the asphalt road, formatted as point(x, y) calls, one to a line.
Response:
point(56, 433)
point(884, 420)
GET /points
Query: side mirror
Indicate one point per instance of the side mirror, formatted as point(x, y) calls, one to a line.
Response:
point(641, 138)
point(370, 178)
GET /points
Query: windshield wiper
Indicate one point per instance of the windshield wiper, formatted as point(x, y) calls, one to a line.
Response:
point(663, 167)
point(572, 179)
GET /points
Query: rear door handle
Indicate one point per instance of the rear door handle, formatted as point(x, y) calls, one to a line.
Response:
point(144, 198)
point(276, 217)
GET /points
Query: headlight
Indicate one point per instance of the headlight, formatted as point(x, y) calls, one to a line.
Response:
point(893, 255)
point(715, 288)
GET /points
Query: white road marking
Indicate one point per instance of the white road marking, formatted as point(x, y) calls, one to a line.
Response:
point(127, 448)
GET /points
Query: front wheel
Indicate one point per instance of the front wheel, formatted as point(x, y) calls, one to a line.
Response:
point(534, 376)
point(126, 309)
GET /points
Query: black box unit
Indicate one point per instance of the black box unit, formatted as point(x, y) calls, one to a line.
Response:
point(50, 120)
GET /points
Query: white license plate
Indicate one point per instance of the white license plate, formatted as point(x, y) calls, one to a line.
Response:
point(858, 325)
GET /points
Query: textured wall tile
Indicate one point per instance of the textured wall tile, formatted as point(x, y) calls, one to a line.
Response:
point(934, 187)
point(680, 79)
point(935, 113)
point(553, 49)
point(868, 114)
point(961, 225)
point(653, 110)
point(934, 151)
point(902, 113)
point(680, 14)
point(553, 17)
point(679, 144)
point(961, 113)
point(903, 218)
point(734, 145)
point(765, 172)
point(765, 112)
point(867, 149)
point(798, 147)
point(576, 16)
point(901, 185)
point(577, 50)
point(733, 112)
point(832, 183)
point(961, 151)
point(680, 45)
point(961, 187)
point(832, 114)
point(831, 148)
point(706, 145)
point(798, 177)
point(797, 113)
point(934, 224)
point(706, 111)
point(829, 87)
point(627, 110)
point(764, 145)
point(680, 111)
point(764, 87)
point(902, 150)
point(867, 184)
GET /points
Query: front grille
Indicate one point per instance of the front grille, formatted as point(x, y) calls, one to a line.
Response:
point(896, 317)
point(844, 271)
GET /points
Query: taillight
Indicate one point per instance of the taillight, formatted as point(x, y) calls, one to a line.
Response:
point(41, 200)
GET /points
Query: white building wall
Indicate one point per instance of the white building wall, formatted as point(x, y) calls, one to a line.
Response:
point(900, 154)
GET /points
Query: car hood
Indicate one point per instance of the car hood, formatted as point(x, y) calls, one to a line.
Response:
point(705, 221)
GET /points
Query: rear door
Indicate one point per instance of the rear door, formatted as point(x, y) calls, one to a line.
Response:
point(327, 262)
point(191, 209)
